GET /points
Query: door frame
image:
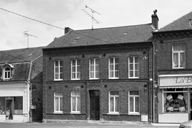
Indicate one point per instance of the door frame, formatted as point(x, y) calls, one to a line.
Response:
point(96, 95)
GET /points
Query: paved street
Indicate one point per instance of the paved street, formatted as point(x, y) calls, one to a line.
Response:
point(77, 125)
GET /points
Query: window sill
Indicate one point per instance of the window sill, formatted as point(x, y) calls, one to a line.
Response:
point(75, 79)
point(114, 78)
point(133, 78)
point(58, 79)
point(133, 113)
point(178, 68)
point(75, 113)
point(93, 78)
point(57, 112)
point(114, 113)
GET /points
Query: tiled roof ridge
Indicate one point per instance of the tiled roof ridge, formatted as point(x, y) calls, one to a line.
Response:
point(22, 48)
point(114, 27)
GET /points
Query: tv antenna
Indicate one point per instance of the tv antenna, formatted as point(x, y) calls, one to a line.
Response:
point(91, 15)
point(27, 35)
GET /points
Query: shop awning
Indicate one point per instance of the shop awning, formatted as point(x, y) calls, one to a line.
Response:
point(183, 86)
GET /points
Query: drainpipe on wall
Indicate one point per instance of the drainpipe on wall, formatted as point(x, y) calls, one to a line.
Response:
point(29, 93)
point(153, 82)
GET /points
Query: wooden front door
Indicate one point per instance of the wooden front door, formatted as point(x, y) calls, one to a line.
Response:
point(94, 105)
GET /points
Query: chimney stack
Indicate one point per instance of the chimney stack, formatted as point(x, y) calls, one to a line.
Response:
point(67, 29)
point(155, 19)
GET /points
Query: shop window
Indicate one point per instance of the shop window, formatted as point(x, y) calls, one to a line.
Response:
point(6, 104)
point(75, 101)
point(18, 105)
point(114, 102)
point(178, 56)
point(2, 105)
point(175, 102)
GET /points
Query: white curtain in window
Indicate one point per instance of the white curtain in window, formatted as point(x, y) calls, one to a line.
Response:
point(175, 59)
point(182, 60)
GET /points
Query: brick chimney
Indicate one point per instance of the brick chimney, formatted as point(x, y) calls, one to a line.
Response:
point(155, 19)
point(67, 29)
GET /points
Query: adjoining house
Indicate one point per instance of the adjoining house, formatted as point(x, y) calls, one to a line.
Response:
point(173, 71)
point(100, 74)
point(21, 85)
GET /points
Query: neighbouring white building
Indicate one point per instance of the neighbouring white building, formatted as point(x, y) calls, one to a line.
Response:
point(21, 85)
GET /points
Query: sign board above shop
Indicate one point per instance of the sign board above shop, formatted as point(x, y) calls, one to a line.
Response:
point(178, 80)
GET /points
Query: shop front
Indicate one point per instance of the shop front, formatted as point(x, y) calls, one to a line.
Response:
point(174, 98)
point(14, 102)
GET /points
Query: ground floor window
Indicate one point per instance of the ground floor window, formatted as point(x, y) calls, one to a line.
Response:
point(75, 101)
point(113, 102)
point(58, 102)
point(133, 102)
point(175, 100)
point(11, 105)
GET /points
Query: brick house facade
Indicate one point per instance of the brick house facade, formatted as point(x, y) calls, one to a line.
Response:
point(173, 71)
point(99, 74)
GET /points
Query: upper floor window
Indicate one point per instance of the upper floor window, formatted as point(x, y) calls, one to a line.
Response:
point(113, 68)
point(178, 56)
point(7, 73)
point(58, 102)
point(114, 102)
point(133, 67)
point(58, 70)
point(75, 69)
point(93, 68)
point(133, 102)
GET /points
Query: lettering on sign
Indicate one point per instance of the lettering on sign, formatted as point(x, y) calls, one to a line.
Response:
point(187, 79)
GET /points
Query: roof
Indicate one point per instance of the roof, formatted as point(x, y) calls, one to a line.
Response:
point(20, 55)
point(113, 35)
point(179, 24)
point(19, 60)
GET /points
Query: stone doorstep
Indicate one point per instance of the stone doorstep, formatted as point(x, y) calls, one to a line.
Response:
point(97, 122)
point(165, 124)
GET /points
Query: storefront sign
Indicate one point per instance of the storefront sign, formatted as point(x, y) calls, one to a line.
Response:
point(173, 80)
point(183, 80)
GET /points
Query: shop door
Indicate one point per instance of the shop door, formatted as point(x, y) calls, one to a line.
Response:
point(9, 108)
point(94, 105)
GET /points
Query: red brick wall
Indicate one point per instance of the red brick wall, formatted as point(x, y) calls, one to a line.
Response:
point(163, 63)
point(123, 84)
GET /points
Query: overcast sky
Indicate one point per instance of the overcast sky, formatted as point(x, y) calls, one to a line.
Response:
point(69, 13)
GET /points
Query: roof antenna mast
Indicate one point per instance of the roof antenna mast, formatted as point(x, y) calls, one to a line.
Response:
point(91, 15)
point(27, 35)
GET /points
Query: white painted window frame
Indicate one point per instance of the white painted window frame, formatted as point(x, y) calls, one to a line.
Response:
point(76, 70)
point(60, 97)
point(113, 70)
point(59, 70)
point(129, 105)
point(95, 66)
point(134, 67)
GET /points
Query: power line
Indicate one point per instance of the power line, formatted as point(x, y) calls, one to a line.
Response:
point(51, 25)
point(32, 19)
